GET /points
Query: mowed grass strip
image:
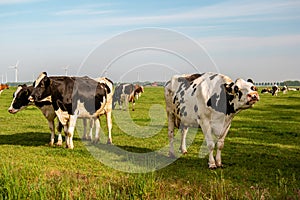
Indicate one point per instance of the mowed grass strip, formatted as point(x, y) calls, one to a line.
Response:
point(261, 156)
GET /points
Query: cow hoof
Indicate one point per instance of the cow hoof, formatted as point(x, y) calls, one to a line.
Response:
point(184, 152)
point(220, 166)
point(59, 143)
point(109, 141)
point(212, 166)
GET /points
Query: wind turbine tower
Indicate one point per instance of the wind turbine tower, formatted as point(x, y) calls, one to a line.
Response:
point(15, 67)
point(66, 70)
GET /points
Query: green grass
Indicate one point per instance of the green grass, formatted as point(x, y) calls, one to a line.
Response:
point(261, 156)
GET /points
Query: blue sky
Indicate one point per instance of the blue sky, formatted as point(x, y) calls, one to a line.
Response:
point(257, 39)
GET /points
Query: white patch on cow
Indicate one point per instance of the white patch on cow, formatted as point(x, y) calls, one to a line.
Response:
point(13, 110)
point(39, 79)
point(48, 98)
point(63, 116)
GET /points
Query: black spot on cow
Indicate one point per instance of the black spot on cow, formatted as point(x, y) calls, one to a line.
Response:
point(182, 93)
point(240, 95)
point(228, 87)
point(222, 102)
point(187, 81)
point(175, 99)
point(213, 76)
point(193, 91)
point(182, 111)
point(192, 77)
point(196, 108)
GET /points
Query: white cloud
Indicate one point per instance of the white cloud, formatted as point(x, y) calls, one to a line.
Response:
point(4, 2)
point(82, 12)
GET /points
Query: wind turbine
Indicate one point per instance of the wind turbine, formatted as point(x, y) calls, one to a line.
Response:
point(15, 67)
point(66, 70)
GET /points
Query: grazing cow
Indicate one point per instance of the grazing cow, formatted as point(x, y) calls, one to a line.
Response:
point(275, 90)
point(20, 101)
point(208, 100)
point(266, 90)
point(125, 93)
point(3, 87)
point(284, 89)
point(292, 89)
point(72, 97)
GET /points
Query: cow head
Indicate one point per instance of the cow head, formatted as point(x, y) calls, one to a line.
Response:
point(41, 88)
point(20, 99)
point(243, 94)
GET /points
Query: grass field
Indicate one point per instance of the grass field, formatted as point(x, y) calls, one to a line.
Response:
point(261, 156)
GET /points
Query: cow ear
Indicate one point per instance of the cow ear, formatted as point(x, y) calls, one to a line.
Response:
point(45, 73)
point(250, 80)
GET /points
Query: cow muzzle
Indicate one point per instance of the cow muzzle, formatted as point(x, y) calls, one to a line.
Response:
point(12, 110)
point(253, 97)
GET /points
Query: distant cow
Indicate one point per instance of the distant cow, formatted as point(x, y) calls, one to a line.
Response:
point(266, 90)
point(71, 97)
point(275, 90)
point(284, 89)
point(208, 100)
point(20, 101)
point(125, 93)
point(3, 87)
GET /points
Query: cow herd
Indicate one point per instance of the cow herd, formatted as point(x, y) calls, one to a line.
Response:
point(207, 100)
point(275, 89)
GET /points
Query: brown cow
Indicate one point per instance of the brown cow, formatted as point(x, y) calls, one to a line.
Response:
point(3, 87)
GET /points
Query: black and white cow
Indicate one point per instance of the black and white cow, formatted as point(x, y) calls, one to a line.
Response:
point(20, 101)
point(266, 90)
point(125, 93)
point(107, 111)
point(208, 100)
point(72, 97)
point(275, 90)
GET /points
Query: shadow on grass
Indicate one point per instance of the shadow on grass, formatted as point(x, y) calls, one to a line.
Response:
point(28, 139)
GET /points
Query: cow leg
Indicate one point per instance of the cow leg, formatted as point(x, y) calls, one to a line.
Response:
point(109, 126)
point(84, 136)
point(52, 129)
point(71, 130)
point(126, 102)
point(59, 129)
point(121, 101)
point(220, 146)
point(184, 131)
point(133, 104)
point(97, 123)
point(207, 131)
point(171, 134)
point(90, 137)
